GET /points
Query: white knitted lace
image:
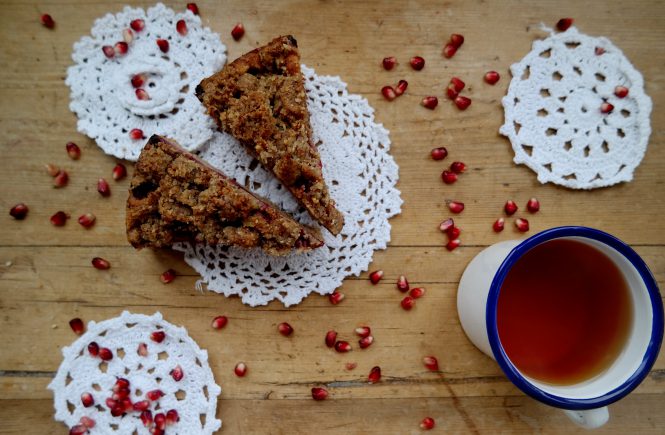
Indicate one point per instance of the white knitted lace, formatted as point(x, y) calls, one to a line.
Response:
point(80, 372)
point(102, 95)
point(361, 175)
point(553, 117)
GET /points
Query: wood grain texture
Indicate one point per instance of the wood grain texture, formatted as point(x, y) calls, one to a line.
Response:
point(46, 277)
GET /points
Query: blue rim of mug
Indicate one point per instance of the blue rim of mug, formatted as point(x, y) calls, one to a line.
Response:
point(656, 328)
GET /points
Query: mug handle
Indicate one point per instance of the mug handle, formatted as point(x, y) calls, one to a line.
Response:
point(590, 418)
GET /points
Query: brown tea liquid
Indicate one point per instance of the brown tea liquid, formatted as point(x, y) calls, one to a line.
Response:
point(564, 312)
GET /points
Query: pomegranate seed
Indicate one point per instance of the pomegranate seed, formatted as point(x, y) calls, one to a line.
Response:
point(111, 403)
point(408, 302)
point(163, 45)
point(141, 405)
point(522, 225)
point(427, 423)
point(77, 326)
point(389, 63)
point(456, 207)
point(136, 134)
point(599, 51)
point(93, 348)
point(446, 225)
point(154, 395)
point(120, 384)
point(376, 276)
point(87, 400)
point(336, 297)
point(87, 422)
point(87, 220)
point(342, 346)
point(510, 207)
point(177, 373)
point(285, 329)
point(240, 369)
point(439, 153)
point(417, 63)
point(457, 167)
point(449, 51)
point(606, 107)
point(121, 47)
point(121, 395)
point(374, 375)
point(127, 35)
point(193, 8)
point(160, 421)
point(47, 21)
point(366, 342)
point(78, 429)
point(457, 84)
point(219, 322)
point(138, 80)
point(448, 177)
point(401, 87)
point(142, 349)
point(181, 27)
point(137, 25)
point(491, 77)
point(430, 102)
point(363, 331)
point(105, 354)
point(402, 284)
point(452, 244)
point(157, 336)
point(142, 94)
point(103, 187)
point(451, 93)
point(453, 233)
point(59, 218)
point(456, 40)
point(108, 51)
point(52, 169)
point(331, 337)
point(117, 411)
point(498, 225)
point(19, 211)
point(462, 103)
point(350, 365)
point(100, 263)
point(621, 91)
point(417, 292)
point(156, 431)
point(564, 23)
point(61, 179)
point(146, 417)
point(172, 417)
point(431, 363)
point(388, 93)
point(73, 150)
point(119, 172)
point(533, 205)
point(238, 31)
point(167, 276)
point(319, 393)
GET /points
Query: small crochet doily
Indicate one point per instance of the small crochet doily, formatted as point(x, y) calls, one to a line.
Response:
point(194, 396)
point(106, 102)
point(553, 112)
point(361, 175)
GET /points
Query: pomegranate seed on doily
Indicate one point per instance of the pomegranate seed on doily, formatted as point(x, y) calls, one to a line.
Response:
point(138, 80)
point(388, 93)
point(119, 172)
point(431, 363)
point(439, 153)
point(491, 77)
point(449, 51)
point(181, 27)
point(146, 418)
point(448, 177)
point(453, 244)
point(19, 211)
point(120, 384)
point(342, 346)
point(599, 51)
point(87, 422)
point(319, 393)
point(510, 207)
point(172, 417)
point(108, 51)
point(564, 23)
point(402, 284)
point(105, 354)
point(93, 348)
point(78, 429)
point(365, 342)
point(154, 394)
point(462, 103)
point(136, 134)
point(160, 421)
point(59, 218)
point(374, 375)
point(177, 373)
point(52, 169)
point(407, 303)
point(137, 25)
point(77, 326)
point(389, 63)
point(157, 336)
point(163, 45)
point(111, 403)
point(447, 225)
point(87, 400)
point(401, 87)
point(87, 220)
point(457, 167)
point(457, 84)
point(47, 21)
point(167, 276)
point(238, 31)
point(61, 179)
point(141, 405)
point(193, 8)
point(142, 349)
point(350, 365)
point(456, 207)
point(142, 94)
point(606, 107)
point(417, 63)
point(363, 331)
point(621, 91)
point(498, 225)
point(376, 276)
point(121, 48)
point(533, 205)
point(285, 329)
point(430, 102)
point(456, 40)
point(427, 423)
point(219, 322)
point(127, 35)
point(331, 338)
point(417, 292)
point(336, 297)
point(240, 369)
point(73, 150)
point(522, 225)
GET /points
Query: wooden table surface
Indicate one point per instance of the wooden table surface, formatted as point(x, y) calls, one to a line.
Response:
point(45, 273)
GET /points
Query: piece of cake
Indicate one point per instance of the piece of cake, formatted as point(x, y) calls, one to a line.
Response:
point(174, 197)
point(260, 99)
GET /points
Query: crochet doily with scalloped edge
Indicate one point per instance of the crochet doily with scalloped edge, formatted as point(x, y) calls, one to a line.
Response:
point(553, 116)
point(361, 176)
point(106, 103)
point(194, 396)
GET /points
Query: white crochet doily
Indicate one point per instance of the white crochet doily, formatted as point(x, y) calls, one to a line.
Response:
point(361, 175)
point(194, 396)
point(553, 116)
point(102, 95)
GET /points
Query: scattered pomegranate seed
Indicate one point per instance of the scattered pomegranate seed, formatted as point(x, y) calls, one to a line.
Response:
point(439, 153)
point(219, 322)
point(73, 150)
point(319, 393)
point(146, 418)
point(449, 51)
point(599, 51)
point(342, 346)
point(453, 233)
point(103, 187)
point(119, 172)
point(510, 207)
point(142, 94)
point(285, 329)
point(417, 292)
point(430, 102)
point(138, 80)
point(564, 23)
point(462, 103)
point(457, 84)
point(401, 87)
point(431, 363)
point(451, 93)
point(336, 297)
point(350, 365)
point(193, 8)
point(141, 405)
point(417, 63)
point(408, 302)
point(177, 373)
point(137, 25)
point(491, 77)
point(160, 421)
point(363, 331)
point(105, 354)
point(376, 276)
point(19, 211)
point(100, 263)
point(120, 384)
point(87, 220)
point(77, 326)
point(181, 27)
point(157, 336)
point(142, 349)
point(606, 107)
point(238, 31)
point(457, 167)
point(127, 35)
point(167, 276)
point(52, 169)
point(533, 205)
point(136, 134)
point(121, 47)
point(621, 91)
point(448, 177)
point(522, 225)
point(118, 410)
point(498, 225)
point(331, 338)
point(59, 218)
point(427, 423)
point(388, 93)
point(78, 429)
point(452, 244)
point(47, 21)
point(457, 40)
point(389, 63)
point(154, 394)
point(111, 403)
point(87, 400)
point(108, 51)
point(163, 45)
point(93, 348)
point(240, 369)
point(374, 375)
point(172, 417)
point(87, 422)
point(402, 284)
point(366, 342)
point(446, 225)
point(61, 179)
point(456, 207)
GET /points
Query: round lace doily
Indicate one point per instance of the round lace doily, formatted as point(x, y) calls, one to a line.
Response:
point(194, 396)
point(553, 116)
point(102, 95)
point(361, 175)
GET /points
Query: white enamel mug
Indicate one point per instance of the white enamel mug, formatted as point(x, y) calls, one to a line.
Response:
point(585, 402)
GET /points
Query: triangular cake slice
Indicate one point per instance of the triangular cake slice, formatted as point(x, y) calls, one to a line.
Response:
point(260, 99)
point(174, 197)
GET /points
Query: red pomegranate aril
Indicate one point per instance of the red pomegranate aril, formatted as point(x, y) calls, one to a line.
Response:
point(451, 93)
point(100, 263)
point(427, 423)
point(417, 63)
point(47, 21)
point(142, 94)
point(606, 107)
point(407, 303)
point(374, 375)
point(599, 51)
point(160, 421)
point(52, 169)
point(388, 93)
point(401, 87)
point(172, 417)
point(376, 276)
point(430, 102)
point(163, 45)
point(533, 205)
point(456, 207)
point(564, 23)
point(439, 153)
point(219, 322)
point(146, 418)
point(350, 365)
point(240, 369)
point(365, 342)
point(181, 27)
point(138, 80)
point(522, 225)
point(19, 211)
point(448, 177)
point(119, 172)
point(238, 32)
point(319, 393)
point(167, 276)
point(389, 63)
point(121, 47)
point(73, 150)
point(120, 384)
point(87, 400)
point(336, 297)
point(87, 422)
point(402, 284)
point(103, 187)
point(363, 331)
point(331, 338)
point(157, 336)
point(118, 410)
point(193, 8)
point(87, 220)
point(127, 35)
point(59, 218)
point(417, 292)
point(154, 394)
point(121, 395)
point(457, 40)
point(457, 167)
point(446, 225)
point(177, 373)
point(457, 84)
point(93, 348)
point(105, 354)
point(342, 346)
point(78, 429)
point(61, 179)
point(108, 51)
point(510, 207)
point(136, 134)
point(142, 349)
point(498, 225)
point(453, 233)
point(621, 91)
point(141, 405)
point(137, 25)
point(77, 326)
point(431, 363)
point(453, 244)
point(449, 51)
point(492, 77)
point(285, 329)
point(462, 103)
point(111, 403)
